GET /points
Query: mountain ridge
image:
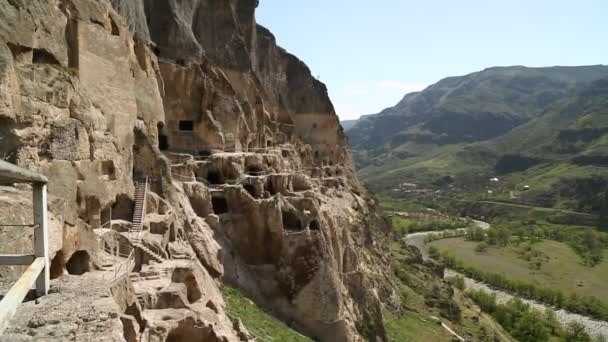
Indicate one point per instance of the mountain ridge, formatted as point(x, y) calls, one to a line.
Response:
point(473, 126)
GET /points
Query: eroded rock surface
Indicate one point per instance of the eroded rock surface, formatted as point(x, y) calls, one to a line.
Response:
point(250, 180)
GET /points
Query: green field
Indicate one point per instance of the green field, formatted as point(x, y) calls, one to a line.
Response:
point(563, 270)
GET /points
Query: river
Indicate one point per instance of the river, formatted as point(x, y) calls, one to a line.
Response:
point(592, 326)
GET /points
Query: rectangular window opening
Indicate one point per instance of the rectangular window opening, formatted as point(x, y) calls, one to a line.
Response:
point(186, 125)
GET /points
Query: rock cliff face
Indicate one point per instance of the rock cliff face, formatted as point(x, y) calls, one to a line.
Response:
point(249, 178)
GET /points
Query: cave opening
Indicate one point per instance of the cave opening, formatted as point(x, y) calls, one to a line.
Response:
point(163, 139)
point(215, 178)
point(163, 142)
point(186, 331)
point(57, 265)
point(186, 125)
point(108, 170)
point(314, 225)
point(270, 188)
point(79, 263)
point(251, 190)
point(254, 170)
point(204, 153)
point(291, 221)
point(186, 277)
point(220, 205)
point(115, 29)
point(41, 56)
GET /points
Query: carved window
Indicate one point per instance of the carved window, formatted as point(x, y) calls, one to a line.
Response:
point(186, 125)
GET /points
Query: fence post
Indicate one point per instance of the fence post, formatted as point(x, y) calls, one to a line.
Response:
point(41, 237)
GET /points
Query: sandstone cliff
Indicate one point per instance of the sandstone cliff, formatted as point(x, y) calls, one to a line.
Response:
point(236, 148)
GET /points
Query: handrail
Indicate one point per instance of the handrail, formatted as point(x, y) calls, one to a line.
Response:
point(19, 225)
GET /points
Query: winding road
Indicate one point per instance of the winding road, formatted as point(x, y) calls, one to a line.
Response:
point(592, 326)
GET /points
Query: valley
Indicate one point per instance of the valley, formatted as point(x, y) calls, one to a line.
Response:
point(171, 173)
point(561, 269)
point(527, 136)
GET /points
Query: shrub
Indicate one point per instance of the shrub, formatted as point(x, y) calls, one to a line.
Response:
point(589, 306)
point(481, 247)
point(457, 282)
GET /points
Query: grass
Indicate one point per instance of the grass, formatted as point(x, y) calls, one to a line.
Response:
point(413, 327)
point(257, 320)
point(563, 270)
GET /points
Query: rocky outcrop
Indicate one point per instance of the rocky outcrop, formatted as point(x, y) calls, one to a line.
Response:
point(250, 179)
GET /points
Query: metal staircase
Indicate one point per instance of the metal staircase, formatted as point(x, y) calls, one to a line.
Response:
point(141, 192)
point(148, 251)
point(139, 213)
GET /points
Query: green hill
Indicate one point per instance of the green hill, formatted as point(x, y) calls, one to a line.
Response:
point(348, 124)
point(544, 127)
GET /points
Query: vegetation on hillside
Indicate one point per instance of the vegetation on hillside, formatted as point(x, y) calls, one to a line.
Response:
point(587, 242)
point(527, 324)
point(427, 299)
point(542, 128)
point(261, 324)
point(404, 226)
point(589, 306)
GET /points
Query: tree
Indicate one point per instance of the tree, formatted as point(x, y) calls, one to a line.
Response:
point(475, 234)
point(552, 322)
point(503, 236)
point(576, 333)
point(481, 247)
point(530, 327)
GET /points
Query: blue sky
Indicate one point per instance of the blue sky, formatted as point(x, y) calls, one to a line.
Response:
point(370, 53)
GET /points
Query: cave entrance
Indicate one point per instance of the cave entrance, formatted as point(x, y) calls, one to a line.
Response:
point(270, 187)
point(187, 278)
point(79, 263)
point(220, 205)
point(163, 142)
point(215, 178)
point(186, 125)
point(291, 221)
point(108, 170)
point(254, 170)
point(251, 190)
point(204, 154)
point(314, 225)
point(41, 56)
point(57, 265)
point(106, 216)
point(114, 26)
point(186, 331)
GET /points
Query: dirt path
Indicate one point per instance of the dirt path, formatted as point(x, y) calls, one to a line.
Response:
point(531, 207)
